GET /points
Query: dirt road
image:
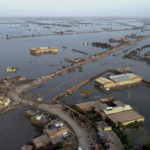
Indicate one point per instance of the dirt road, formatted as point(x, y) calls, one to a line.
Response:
point(57, 110)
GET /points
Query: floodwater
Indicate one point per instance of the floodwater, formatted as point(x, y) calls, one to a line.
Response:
point(16, 52)
point(15, 130)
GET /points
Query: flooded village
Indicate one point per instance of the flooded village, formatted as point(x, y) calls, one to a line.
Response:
point(74, 83)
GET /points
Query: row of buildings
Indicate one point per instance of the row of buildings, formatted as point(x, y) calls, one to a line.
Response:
point(110, 110)
point(53, 129)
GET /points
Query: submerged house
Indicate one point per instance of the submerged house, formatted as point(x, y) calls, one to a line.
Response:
point(118, 81)
point(123, 114)
point(4, 101)
point(43, 50)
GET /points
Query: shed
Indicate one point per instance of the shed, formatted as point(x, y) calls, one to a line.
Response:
point(41, 141)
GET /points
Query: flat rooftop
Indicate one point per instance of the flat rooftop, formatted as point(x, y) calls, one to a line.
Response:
point(86, 106)
point(125, 116)
point(123, 77)
point(41, 140)
point(53, 131)
point(103, 81)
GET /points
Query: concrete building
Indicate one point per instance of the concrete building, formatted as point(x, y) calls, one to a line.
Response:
point(56, 132)
point(88, 106)
point(118, 81)
point(117, 109)
point(125, 117)
point(41, 141)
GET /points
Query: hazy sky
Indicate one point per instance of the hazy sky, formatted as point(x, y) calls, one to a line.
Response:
point(106, 8)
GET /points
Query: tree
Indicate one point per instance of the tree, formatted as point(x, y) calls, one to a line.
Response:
point(7, 37)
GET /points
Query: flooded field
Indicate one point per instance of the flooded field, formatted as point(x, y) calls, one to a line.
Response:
point(76, 31)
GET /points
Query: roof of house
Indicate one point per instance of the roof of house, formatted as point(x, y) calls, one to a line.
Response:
point(103, 81)
point(125, 116)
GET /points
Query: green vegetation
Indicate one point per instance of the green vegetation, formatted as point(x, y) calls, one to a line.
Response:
point(91, 116)
point(98, 119)
point(63, 67)
point(7, 37)
point(102, 45)
point(52, 116)
point(143, 47)
point(135, 124)
point(147, 54)
point(1, 82)
point(60, 145)
point(76, 108)
point(135, 53)
point(130, 55)
point(69, 31)
point(64, 102)
point(125, 139)
point(115, 55)
point(71, 70)
point(126, 50)
point(80, 69)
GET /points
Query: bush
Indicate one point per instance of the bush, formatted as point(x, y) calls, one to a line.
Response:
point(102, 45)
point(1, 81)
point(91, 116)
point(76, 108)
point(60, 145)
point(80, 69)
point(63, 67)
point(135, 124)
point(52, 116)
point(125, 139)
point(64, 102)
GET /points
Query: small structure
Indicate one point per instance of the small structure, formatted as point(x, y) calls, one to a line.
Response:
point(60, 33)
point(85, 43)
point(4, 101)
point(74, 60)
point(64, 47)
point(39, 120)
point(88, 106)
point(30, 113)
point(118, 81)
point(41, 141)
point(125, 117)
point(105, 83)
point(43, 50)
point(10, 69)
point(58, 123)
point(26, 147)
point(39, 99)
point(56, 132)
point(20, 79)
point(107, 100)
point(117, 109)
